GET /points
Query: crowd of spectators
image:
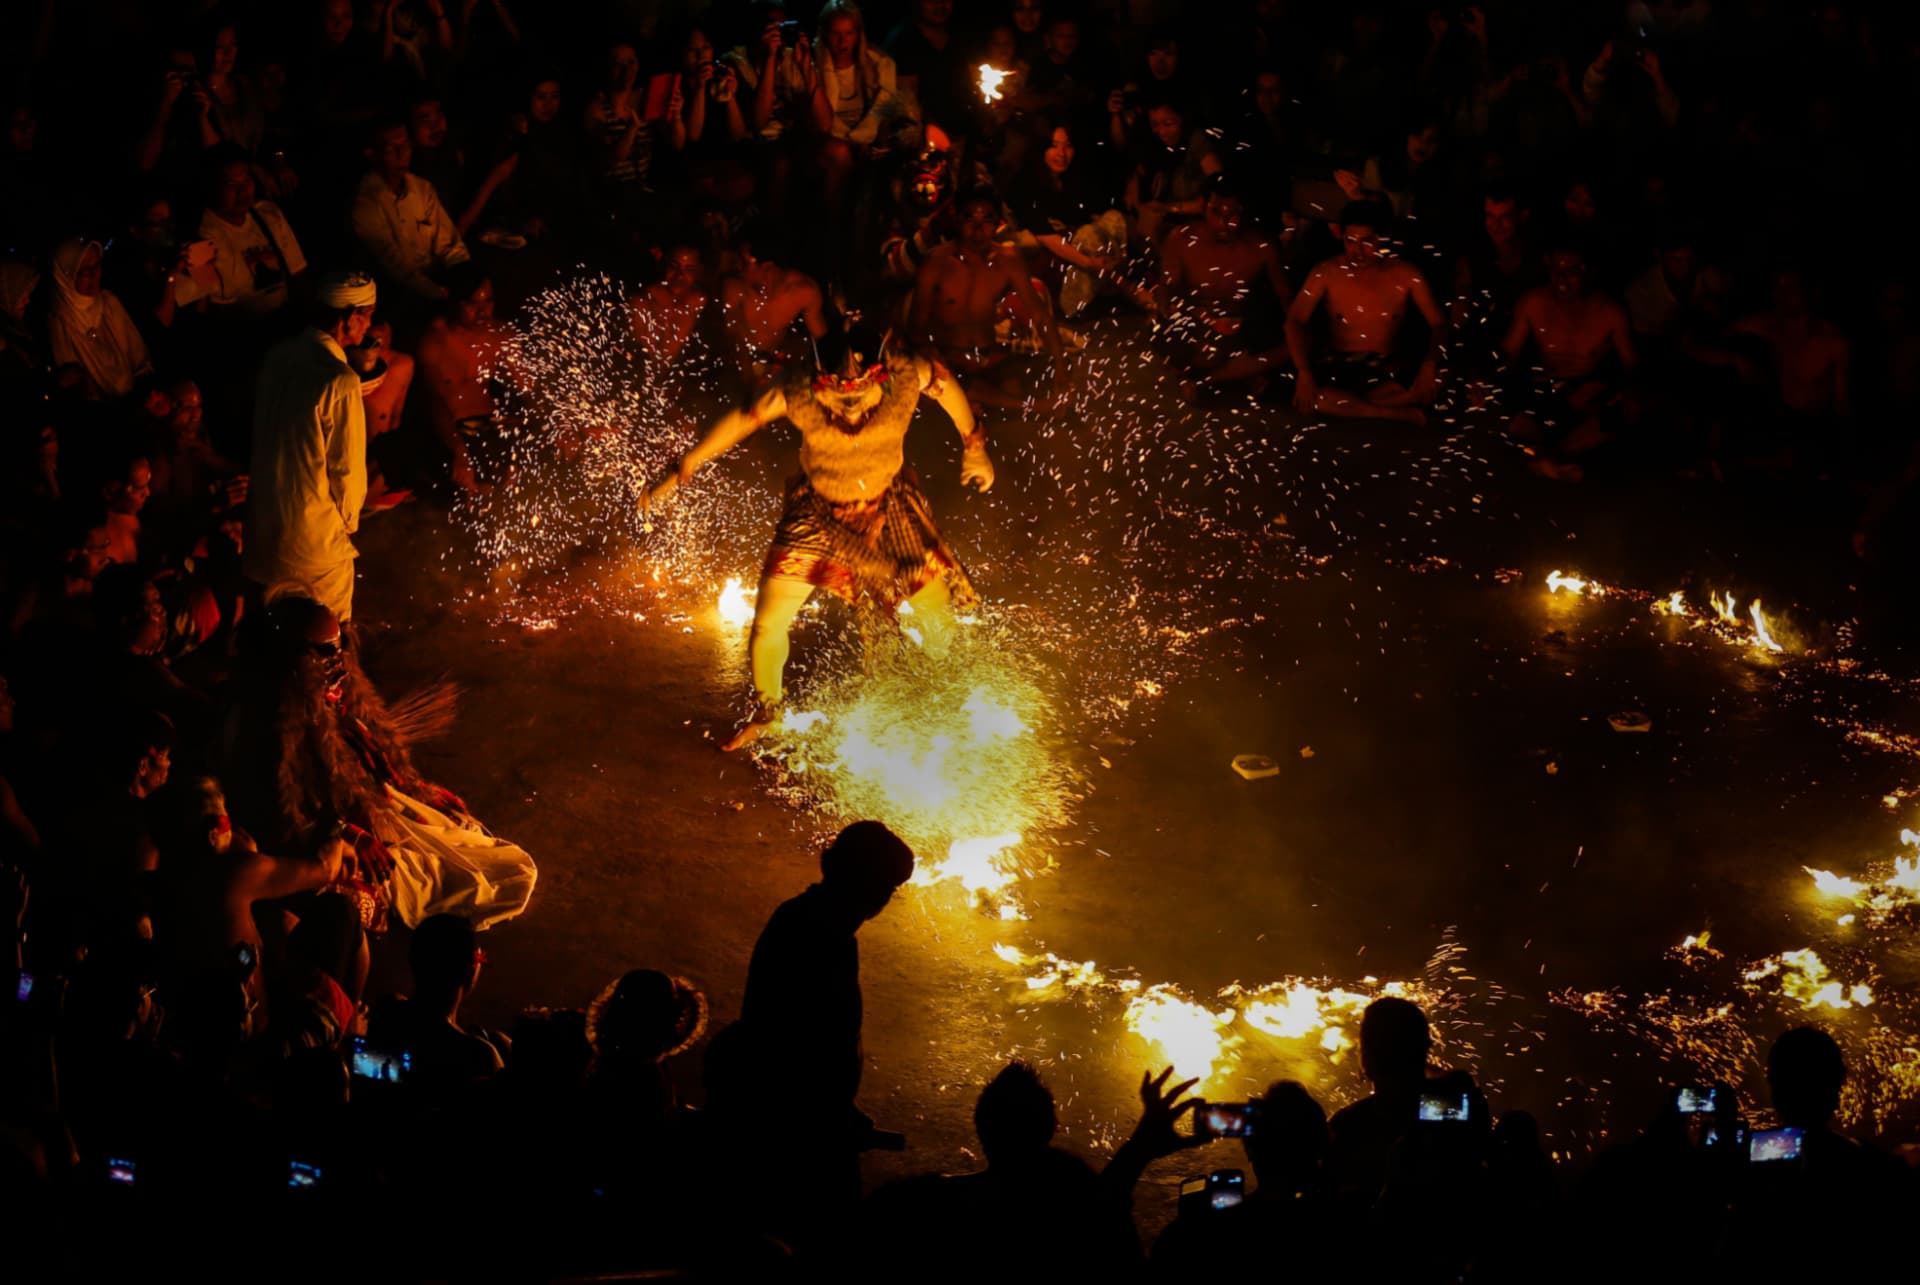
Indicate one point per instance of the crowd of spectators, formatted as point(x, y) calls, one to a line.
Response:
point(1624, 234)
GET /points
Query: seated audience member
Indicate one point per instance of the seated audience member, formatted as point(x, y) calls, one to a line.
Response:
point(1065, 85)
point(1500, 266)
point(386, 376)
point(437, 159)
point(1574, 396)
point(1672, 300)
point(215, 885)
point(446, 1055)
point(666, 313)
point(636, 1025)
point(1049, 1209)
point(857, 103)
point(125, 490)
point(1168, 184)
point(95, 346)
point(1288, 1205)
point(957, 310)
point(761, 307)
point(135, 638)
point(400, 222)
point(23, 353)
point(455, 359)
point(1061, 206)
point(1158, 78)
point(1808, 368)
point(1394, 1043)
point(108, 833)
point(155, 273)
point(931, 61)
point(256, 257)
point(622, 140)
point(1412, 181)
point(1226, 294)
point(190, 480)
point(1368, 295)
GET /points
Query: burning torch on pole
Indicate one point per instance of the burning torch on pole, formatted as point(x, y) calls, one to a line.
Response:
point(991, 78)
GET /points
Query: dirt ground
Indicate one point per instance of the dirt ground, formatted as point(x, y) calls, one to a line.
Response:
point(1448, 775)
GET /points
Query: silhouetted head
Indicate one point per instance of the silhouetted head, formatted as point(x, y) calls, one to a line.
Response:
point(1015, 1117)
point(444, 955)
point(864, 864)
point(1289, 1139)
point(1394, 1039)
point(646, 1014)
point(1805, 1071)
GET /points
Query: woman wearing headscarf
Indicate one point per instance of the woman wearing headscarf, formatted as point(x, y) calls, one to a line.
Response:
point(89, 327)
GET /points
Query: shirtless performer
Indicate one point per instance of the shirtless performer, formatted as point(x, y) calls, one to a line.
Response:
point(1810, 355)
point(856, 524)
point(385, 378)
point(1572, 331)
point(665, 313)
point(1212, 270)
point(759, 308)
point(451, 357)
point(1367, 293)
point(956, 302)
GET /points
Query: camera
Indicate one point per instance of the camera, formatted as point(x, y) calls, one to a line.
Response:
point(1224, 1120)
point(1221, 1189)
point(1771, 1146)
point(301, 1176)
point(374, 1065)
point(791, 34)
point(1447, 1108)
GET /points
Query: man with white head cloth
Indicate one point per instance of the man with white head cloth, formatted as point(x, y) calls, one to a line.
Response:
point(310, 452)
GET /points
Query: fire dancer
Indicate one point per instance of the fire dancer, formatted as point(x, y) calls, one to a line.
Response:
point(856, 524)
point(1367, 294)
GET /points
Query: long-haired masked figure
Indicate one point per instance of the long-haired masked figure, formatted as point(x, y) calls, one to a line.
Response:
point(312, 751)
point(855, 523)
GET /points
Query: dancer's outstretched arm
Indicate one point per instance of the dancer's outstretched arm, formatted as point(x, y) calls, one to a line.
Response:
point(731, 429)
point(937, 382)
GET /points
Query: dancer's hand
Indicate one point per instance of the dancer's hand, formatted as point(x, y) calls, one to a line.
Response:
point(976, 469)
point(1305, 391)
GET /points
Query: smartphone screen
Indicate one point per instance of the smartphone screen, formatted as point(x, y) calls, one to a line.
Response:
point(1444, 1106)
point(1226, 1119)
point(659, 94)
point(1226, 1188)
point(302, 1175)
point(385, 1066)
point(25, 991)
point(120, 1172)
point(1767, 1145)
point(1697, 1101)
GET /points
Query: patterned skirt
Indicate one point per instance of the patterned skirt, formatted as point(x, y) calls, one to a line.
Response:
point(874, 554)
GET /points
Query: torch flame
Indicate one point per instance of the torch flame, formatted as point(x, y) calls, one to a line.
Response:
point(990, 80)
point(736, 604)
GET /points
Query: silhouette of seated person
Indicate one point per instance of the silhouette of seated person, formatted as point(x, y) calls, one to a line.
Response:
point(1283, 1219)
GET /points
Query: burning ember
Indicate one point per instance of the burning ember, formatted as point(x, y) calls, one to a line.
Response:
point(1573, 585)
point(990, 81)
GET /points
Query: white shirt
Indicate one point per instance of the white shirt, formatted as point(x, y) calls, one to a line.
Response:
point(232, 266)
point(309, 462)
point(409, 234)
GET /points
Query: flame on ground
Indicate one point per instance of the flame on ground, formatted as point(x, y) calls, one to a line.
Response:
point(1762, 636)
point(736, 604)
point(1574, 585)
point(1805, 977)
point(1192, 1037)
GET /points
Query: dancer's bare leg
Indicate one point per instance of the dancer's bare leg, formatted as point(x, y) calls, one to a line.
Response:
point(933, 617)
point(774, 607)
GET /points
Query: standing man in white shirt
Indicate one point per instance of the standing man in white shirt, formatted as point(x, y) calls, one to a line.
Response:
point(398, 218)
point(310, 452)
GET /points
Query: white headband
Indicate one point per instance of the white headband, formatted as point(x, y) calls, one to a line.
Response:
point(353, 290)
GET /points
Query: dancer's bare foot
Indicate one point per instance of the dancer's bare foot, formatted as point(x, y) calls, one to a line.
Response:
point(749, 732)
